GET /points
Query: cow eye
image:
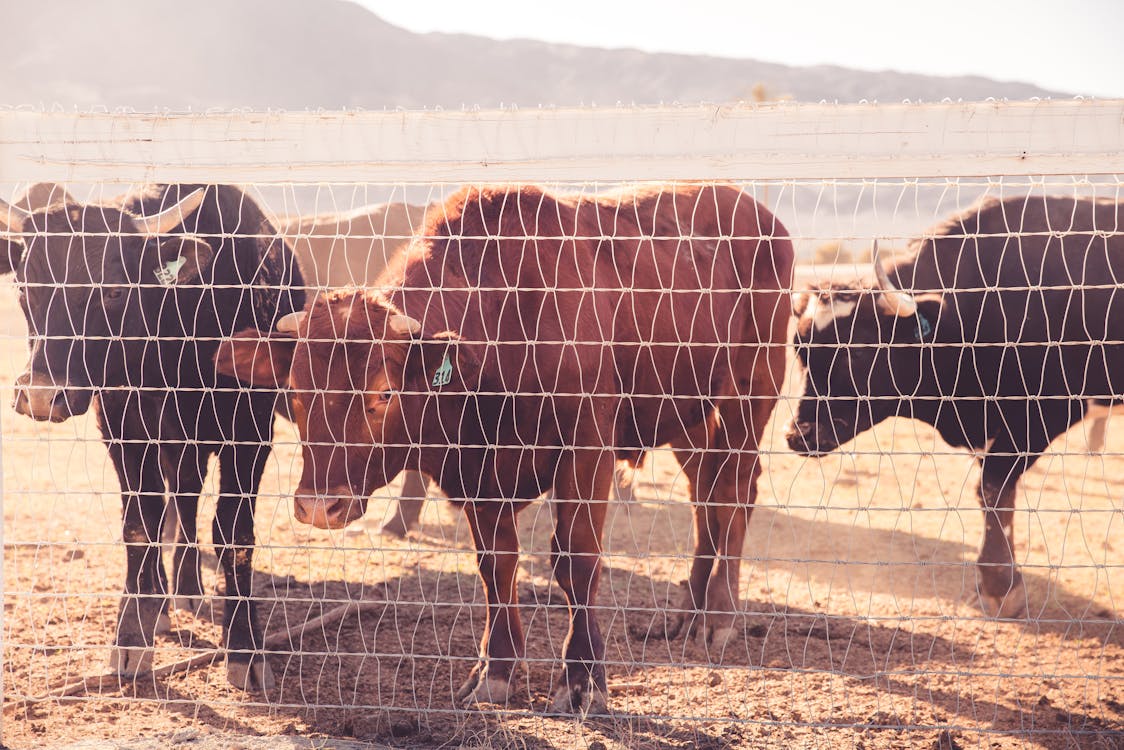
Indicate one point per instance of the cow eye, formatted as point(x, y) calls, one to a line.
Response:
point(382, 398)
point(114, 292)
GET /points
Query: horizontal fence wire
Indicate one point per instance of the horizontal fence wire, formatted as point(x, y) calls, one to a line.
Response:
point(221, 513)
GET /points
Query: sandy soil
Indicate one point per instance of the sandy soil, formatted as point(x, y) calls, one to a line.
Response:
point(861, 627)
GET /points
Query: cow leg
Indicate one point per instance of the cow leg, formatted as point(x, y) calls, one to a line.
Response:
point(240, 472)
point(999, 582)
point(184, 470)
point(582, 485)
point(187, 572)
point(143, 610)
point(409, 507)
point(731, 478)
point(689, 450)
point(733, 484)
point(495, 533)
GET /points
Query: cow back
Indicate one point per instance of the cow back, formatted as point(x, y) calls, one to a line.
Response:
point(641, 298)
point(1029, 284)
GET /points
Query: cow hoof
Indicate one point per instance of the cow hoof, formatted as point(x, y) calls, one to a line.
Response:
point(487, 690)
point(253, 676)
point(583, 699)
point(130, 661)
point(1010, 606)
point(719, 639)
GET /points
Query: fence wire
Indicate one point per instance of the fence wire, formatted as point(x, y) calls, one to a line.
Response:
point(635, 354)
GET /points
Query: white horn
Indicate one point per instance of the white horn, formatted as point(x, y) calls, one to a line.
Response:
point(290, 322)
point(404, 325)
point(171, 217)
point(11, 218)
point(891, 299)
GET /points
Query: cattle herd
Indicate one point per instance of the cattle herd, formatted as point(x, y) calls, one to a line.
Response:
point(509, 343)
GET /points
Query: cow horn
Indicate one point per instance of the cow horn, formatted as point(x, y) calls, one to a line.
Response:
point(404, 325)
point(171, 217)
point(891, 299)
point(290, 322)
point(11, 218)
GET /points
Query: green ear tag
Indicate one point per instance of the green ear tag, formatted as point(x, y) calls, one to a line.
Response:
point(444, 373)
point(170, 272)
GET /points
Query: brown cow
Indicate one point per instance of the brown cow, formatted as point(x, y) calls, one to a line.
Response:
point(354, 248)
point(530, 340)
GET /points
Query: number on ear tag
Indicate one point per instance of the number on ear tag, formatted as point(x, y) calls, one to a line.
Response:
point(444, 373)
point(170, 272)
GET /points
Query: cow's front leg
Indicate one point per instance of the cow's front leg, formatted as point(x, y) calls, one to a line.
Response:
point(1028, 432)
point(495, 534)
point(999, 582)
point(187, 571)
point(240, 470)
point(184, 468)
point(144, 606)
point(582, 487)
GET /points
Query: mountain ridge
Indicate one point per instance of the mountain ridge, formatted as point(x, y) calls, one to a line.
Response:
point(288, 54)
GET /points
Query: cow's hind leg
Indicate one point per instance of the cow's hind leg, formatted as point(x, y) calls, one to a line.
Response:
point(582, 486)
point(240, 471)
point(143, 610)
point(495, 534)
point(184, 468)
point(690, 450)
point(732, 476)
point(720, 458)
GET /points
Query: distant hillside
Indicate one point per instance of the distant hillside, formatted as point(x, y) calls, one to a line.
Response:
point(331, 54)
point(296, 54)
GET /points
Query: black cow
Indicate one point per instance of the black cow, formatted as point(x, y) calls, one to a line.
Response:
point(125, 306)
point(1013, 325)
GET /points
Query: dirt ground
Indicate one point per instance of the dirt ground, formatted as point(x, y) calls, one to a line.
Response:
point(861, 624)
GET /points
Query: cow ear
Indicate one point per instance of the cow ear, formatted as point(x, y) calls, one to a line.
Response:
point(11, 254)
point(256, 358)
point(183, 259)
point(12, 223)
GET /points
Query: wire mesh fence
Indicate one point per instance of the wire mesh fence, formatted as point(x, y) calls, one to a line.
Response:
point(665, 329)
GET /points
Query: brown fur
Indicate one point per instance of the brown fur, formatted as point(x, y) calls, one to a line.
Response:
point(569, 350)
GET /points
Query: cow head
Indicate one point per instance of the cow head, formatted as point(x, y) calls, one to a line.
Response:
point(362, 378)
point(86, 277)
point(861, 352)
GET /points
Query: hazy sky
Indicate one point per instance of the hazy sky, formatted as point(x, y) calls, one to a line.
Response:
point(1074, 46)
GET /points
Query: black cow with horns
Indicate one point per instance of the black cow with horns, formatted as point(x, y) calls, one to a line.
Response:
point(1014, 326)
point(126, 304)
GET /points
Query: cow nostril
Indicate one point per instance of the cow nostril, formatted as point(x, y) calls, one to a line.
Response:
point(59, 402)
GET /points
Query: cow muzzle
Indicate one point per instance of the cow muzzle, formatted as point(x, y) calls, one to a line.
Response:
point(43, 399)
point(810, 438)
point(333, 510)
